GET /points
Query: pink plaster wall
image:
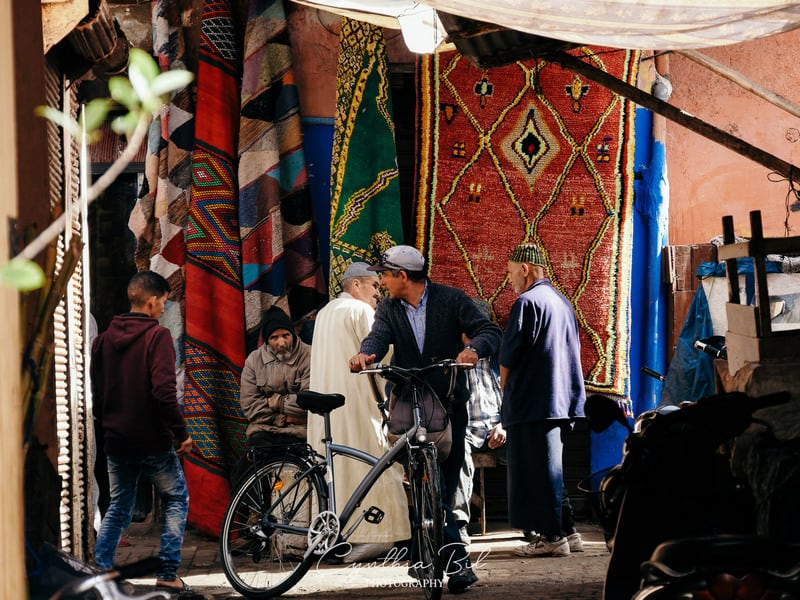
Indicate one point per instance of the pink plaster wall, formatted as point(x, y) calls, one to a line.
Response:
point(707, 180)
point(315, 44)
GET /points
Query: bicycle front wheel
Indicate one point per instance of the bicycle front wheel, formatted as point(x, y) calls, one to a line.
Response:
point(264, 531)
point(427, 521)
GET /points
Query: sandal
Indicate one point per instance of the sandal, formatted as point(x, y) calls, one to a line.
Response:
point(176, 586)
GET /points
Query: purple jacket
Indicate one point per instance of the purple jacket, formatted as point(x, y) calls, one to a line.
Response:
point(541, 347)
point(136, 409)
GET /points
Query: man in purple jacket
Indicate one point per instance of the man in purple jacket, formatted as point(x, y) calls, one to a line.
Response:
point(141, 422)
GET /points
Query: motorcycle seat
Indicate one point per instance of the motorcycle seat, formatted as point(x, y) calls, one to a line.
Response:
point(745, 553)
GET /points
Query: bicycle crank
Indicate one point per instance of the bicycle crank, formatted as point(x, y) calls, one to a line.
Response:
point(323, 532)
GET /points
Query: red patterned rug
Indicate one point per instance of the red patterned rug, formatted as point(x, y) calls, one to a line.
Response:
point(532, 152)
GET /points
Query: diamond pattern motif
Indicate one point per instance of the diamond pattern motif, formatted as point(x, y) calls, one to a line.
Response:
point(530, 152)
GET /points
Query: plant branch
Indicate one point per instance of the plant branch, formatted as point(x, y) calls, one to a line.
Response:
point(106, 179)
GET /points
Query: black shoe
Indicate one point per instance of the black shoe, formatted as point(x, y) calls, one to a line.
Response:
point(531, 536)
point(458, 582)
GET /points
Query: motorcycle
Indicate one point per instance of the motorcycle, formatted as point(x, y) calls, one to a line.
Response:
point(676, 519)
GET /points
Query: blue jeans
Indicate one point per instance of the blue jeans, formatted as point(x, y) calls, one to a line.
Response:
point(166, 473)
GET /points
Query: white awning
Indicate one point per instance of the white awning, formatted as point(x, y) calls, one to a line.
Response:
point(640, 24)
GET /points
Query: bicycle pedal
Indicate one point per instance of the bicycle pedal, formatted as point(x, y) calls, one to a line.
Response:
point(374, 515)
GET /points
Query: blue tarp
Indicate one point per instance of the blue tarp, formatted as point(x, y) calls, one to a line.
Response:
point(691, 372)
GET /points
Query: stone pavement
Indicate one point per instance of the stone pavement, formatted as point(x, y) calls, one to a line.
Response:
point(502, 574)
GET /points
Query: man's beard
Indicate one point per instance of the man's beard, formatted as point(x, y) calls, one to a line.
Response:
point(282, 354)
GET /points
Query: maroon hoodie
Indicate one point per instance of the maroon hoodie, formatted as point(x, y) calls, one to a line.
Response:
point(133, 382)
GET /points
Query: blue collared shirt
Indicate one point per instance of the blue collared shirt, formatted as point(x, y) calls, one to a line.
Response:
point(416, 317)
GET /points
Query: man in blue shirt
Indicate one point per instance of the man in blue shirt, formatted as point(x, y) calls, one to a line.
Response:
point(543, 392)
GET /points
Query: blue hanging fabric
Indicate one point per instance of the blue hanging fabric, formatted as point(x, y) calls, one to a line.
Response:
point(691, 372)
point(648, 292)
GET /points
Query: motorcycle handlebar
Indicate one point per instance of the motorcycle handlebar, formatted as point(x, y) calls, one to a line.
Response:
point(712, 419)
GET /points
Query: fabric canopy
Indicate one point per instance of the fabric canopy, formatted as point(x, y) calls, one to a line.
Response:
point(639, 24)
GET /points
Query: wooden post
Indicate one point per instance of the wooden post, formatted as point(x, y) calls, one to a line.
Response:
point(760, 269)
point(731, 268)
point(12, 549)
point(742, 81)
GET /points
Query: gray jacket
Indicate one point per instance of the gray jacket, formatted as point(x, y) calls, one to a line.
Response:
point(269, 387)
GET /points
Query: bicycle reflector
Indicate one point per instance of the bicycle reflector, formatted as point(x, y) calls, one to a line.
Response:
point(277, 486)
point(422, 434)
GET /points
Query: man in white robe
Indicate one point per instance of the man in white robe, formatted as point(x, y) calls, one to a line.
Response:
point(338, 330)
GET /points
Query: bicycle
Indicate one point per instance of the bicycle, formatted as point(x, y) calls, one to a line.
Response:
point(282, 517)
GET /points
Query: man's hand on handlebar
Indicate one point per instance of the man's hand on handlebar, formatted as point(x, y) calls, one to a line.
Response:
point(360, 361)
point(468, 356)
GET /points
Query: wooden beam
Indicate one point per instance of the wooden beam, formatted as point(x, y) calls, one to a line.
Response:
point(676, 115)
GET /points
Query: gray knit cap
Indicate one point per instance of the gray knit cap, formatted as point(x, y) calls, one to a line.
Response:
point(529, 253)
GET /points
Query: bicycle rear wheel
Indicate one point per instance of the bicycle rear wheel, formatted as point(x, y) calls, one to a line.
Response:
point(264, 531)
point(427, 524)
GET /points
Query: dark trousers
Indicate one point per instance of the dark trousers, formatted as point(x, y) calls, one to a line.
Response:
point(536, 495)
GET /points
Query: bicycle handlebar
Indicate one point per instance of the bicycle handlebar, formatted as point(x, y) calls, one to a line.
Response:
point(411, 372)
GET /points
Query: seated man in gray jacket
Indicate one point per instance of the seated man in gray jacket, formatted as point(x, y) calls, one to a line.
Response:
point(271, 378)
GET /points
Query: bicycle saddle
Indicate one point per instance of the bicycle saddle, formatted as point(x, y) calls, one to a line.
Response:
point(319, 403)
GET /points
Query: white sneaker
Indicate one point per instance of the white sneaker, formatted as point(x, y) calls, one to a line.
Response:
point(542, 547)
point(575, 542)
point(464, 535)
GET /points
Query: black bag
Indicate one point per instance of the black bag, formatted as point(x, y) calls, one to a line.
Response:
point(435, 419)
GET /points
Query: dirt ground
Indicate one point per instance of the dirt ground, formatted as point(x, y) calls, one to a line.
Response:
point(502, 574)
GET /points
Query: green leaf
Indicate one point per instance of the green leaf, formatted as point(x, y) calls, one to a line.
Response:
point(169, 81)
point(22, 274)
point(145, 64)
point(94, 113)
point(141, 76)
point(125, 124)
point(56, 116)
point(121, 90)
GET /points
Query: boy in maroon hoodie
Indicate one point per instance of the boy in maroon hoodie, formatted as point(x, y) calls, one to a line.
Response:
point(140, 422)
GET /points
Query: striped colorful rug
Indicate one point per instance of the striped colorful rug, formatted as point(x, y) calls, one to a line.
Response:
point(532, 152)
point(159, 217)
point(225, 215)
point(280, 258)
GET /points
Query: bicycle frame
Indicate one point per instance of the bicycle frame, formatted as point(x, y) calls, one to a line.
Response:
point(377, 466)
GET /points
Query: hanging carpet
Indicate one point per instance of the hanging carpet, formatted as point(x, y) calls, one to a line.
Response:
point(365, 189)
point(279, 244)
point(532, 152)
point(159, 217)
point(215, 337)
